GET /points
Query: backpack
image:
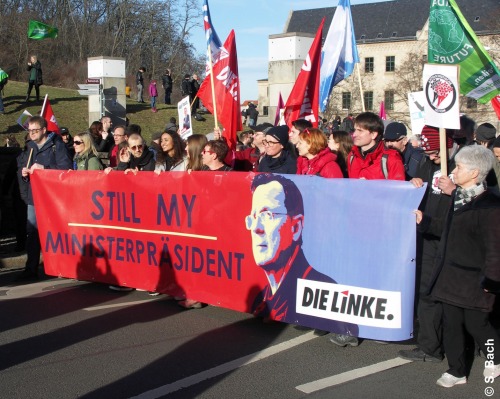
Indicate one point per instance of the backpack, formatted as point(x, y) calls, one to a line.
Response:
point(383, 164)
point(87, 161)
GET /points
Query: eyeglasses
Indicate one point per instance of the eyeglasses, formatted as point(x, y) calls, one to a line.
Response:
point(262, 217)
point(137, 147)
point(34, 130)
point(207, 152)
point(77, 142)
point(306, 130)
point(118, 135)
point(266, 142)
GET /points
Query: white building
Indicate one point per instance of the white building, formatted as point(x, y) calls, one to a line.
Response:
point(392, 43)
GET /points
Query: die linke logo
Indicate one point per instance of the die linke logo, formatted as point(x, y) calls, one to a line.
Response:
point(351, 304)
point(441, 93)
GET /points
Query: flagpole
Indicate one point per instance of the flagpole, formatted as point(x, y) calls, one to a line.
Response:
point(212, 85)
point(443, 151)
point(43, 106)
point(361, 88)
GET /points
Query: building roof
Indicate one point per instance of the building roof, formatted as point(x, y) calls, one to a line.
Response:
point(393, 20)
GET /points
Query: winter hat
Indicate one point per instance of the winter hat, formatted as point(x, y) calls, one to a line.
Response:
point(156, 136)
point(486, 132)
point(394, 131)
point(64, 131)
point(262, 127)
point(430, 139)
point(280, 133)
point(496, 143)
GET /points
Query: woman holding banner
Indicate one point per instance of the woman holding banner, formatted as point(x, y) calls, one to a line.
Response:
point(172, 156)
point(85, 153)
point(315, 156)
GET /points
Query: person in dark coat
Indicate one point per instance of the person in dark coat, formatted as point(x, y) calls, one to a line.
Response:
point(467, 275)
point(139, 157)
point(395, 137)
point(435, 203)
point(47, 151)
point(167, 84)
point(35, 77)
point(277, 158)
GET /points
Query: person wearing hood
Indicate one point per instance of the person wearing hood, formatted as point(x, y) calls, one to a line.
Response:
point(277, 158)
point(315, 158)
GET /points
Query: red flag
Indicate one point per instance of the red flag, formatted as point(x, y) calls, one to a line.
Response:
point(227, 91)
point(495, 102)
point(303, 101)
point(49, 116)
point(279, 110)
point(382, 113)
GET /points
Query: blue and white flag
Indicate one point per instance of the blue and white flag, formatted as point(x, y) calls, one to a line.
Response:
point(213, 41)
point(339, 52)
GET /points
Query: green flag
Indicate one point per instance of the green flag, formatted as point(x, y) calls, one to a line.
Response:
point(38, 31)
point(452, 41)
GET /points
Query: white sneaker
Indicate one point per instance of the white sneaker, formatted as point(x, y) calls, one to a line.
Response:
point(492, 371)
point(447, 380)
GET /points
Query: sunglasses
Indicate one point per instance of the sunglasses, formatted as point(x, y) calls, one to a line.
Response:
point(137, 147)
point(76, 142)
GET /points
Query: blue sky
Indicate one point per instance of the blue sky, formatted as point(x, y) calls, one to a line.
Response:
point(253, 22)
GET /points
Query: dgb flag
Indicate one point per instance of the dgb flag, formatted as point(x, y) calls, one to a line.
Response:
point(38, 31)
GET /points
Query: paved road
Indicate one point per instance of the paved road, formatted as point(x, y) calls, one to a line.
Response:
point(65, 339)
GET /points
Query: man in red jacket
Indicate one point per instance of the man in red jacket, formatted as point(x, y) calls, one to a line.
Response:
point(369, 159)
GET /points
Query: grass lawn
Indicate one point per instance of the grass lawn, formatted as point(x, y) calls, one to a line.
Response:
point(71, 111)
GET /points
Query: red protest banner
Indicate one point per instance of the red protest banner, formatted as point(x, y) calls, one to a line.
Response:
point(257, 243)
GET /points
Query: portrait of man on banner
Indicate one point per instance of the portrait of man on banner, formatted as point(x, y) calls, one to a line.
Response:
point(276, 223)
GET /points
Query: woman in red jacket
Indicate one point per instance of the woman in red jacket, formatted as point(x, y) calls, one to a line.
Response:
point(315, 158)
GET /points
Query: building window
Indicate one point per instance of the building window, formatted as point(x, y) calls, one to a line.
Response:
point(346, 100)
point(368, 97)
point(390, 62)
point(471, 103)
point(265, 110)
point(369, 64)
point(389, 100)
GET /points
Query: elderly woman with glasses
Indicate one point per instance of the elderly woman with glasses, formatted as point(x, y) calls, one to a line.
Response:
point(315, 158)
point(467, 274)
point(85, 153)
point(277, 158)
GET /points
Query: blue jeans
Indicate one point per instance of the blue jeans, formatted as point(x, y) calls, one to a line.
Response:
point(1, 102)
point(33, 246)
point(153, 102)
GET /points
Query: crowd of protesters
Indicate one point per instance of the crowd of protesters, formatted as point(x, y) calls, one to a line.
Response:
point(458, 261)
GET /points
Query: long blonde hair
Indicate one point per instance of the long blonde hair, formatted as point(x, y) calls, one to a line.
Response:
point(88, 145)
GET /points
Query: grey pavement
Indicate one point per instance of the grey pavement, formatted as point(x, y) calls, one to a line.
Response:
point(62, 338)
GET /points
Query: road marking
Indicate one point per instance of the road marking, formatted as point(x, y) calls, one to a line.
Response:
point(225, 368)
point(121, 304)
point(351, 375)
point(38, 289)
